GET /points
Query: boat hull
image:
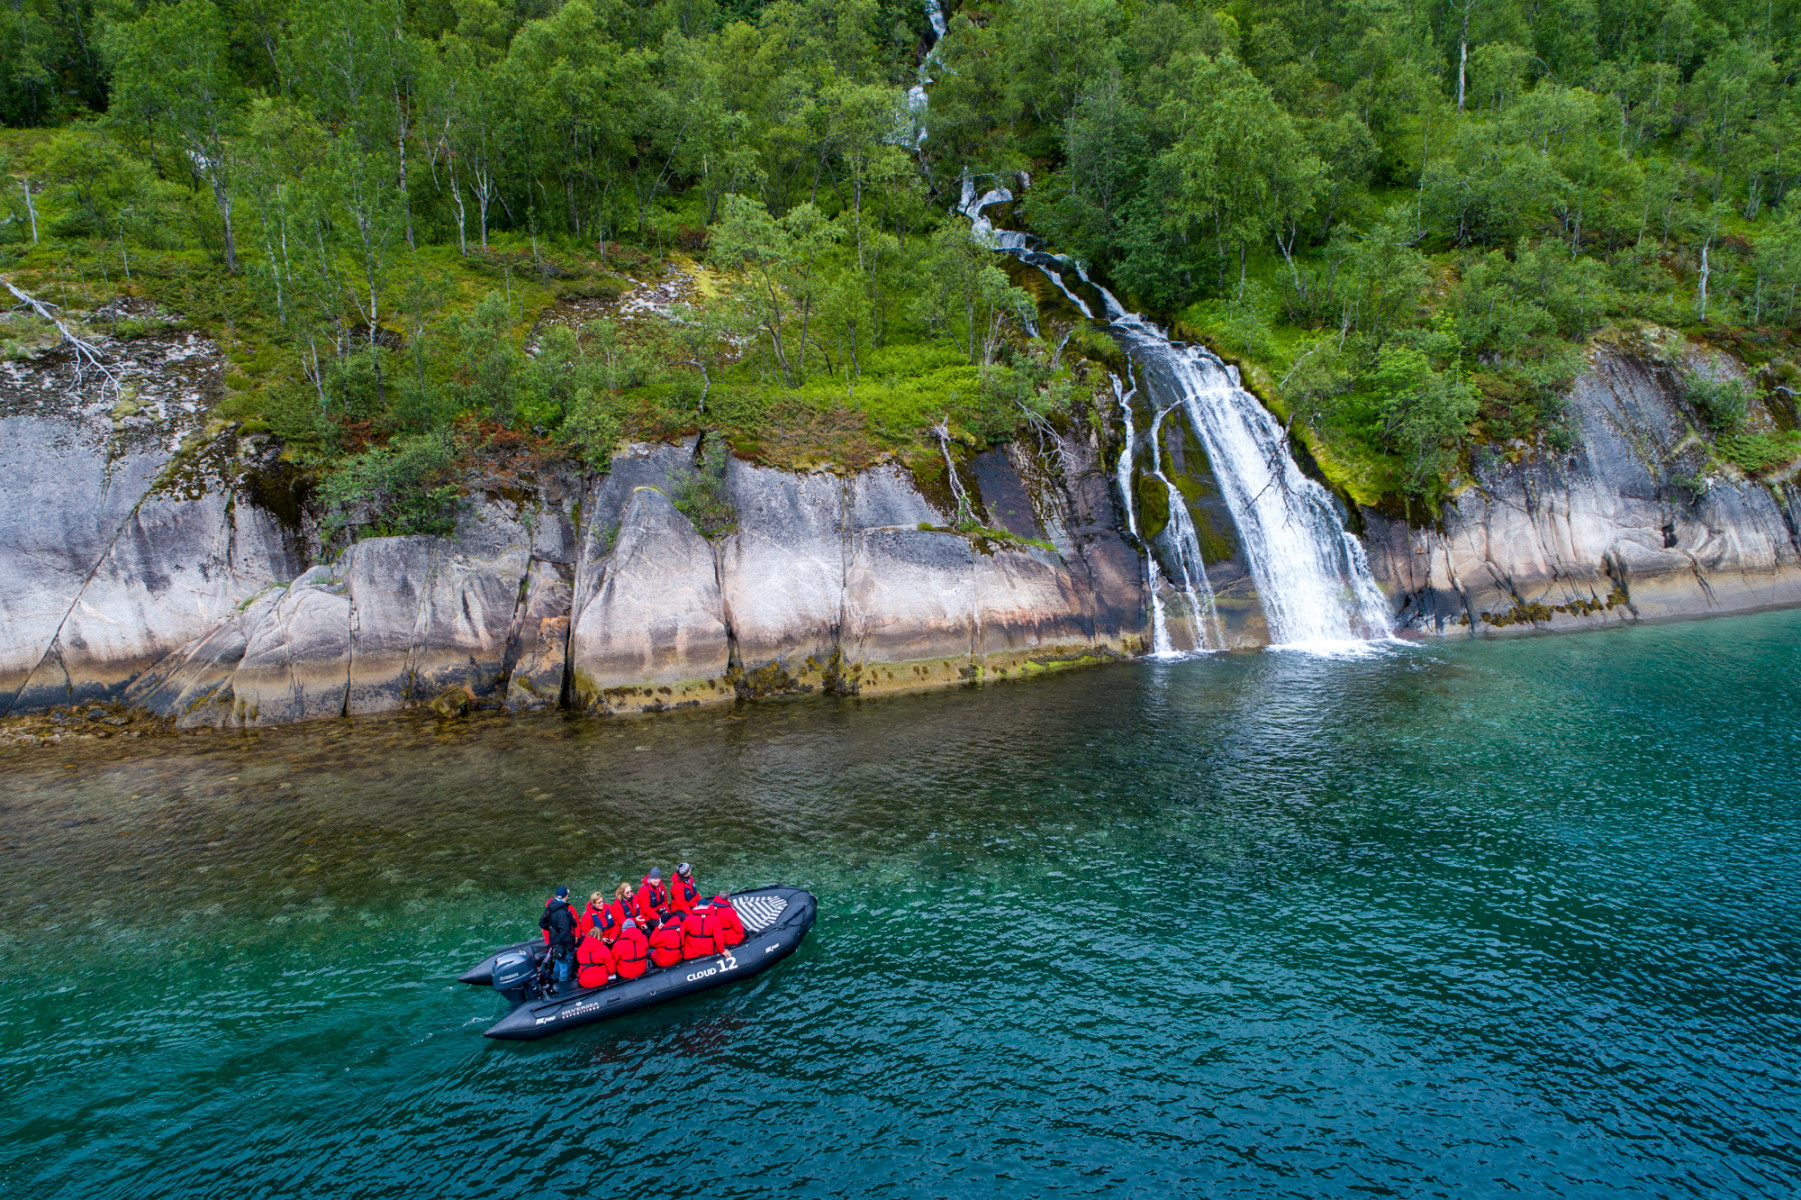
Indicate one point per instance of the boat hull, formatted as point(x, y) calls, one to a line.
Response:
point(761, 949)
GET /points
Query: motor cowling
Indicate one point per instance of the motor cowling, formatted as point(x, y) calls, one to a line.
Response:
point(516, 976)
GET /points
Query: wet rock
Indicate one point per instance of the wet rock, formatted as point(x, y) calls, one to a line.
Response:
point(453, 704)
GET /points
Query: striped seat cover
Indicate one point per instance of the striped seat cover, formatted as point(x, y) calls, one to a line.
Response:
point(759, 912)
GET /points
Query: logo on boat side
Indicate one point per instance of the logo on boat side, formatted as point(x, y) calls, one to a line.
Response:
point(565, 1014)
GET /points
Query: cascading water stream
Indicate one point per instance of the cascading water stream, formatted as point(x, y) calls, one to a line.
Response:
point(1311, 573)
point(965, 509)
point(1160, 643)
point(1203, 614)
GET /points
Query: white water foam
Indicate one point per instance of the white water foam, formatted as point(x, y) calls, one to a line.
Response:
point(1311, 573)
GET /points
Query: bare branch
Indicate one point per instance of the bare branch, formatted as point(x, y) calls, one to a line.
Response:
point(87, 355)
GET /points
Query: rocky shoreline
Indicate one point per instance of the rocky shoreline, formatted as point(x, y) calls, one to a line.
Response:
point(159, 565)
point(1630, 525)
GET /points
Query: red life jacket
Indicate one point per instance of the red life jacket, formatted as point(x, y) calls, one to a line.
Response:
point(572, 917)
point(731, 928)
point(652, 899)
point(594, 963)
point(683, 894)
point(605, 921)
point(666, 944)
point(630, 951)
point(700, 933)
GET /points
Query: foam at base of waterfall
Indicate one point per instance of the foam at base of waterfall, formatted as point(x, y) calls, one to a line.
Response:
point(1350, 648)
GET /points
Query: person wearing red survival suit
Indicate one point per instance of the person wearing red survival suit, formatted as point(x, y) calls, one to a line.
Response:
point(700, 933)
point(593, 962)
point(652, 900)
point(684, 894)
point(603, 919)
point(594, 917)
point(731, 928)
point(559, 925)
point(666, 942)
point(630, 951)
point(622, 907)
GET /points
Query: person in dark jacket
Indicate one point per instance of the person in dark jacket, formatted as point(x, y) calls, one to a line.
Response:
point(559, 925)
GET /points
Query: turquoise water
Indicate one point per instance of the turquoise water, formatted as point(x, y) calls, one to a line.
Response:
point(1463, 921)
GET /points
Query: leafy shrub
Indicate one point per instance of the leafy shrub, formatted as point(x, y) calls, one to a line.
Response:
point(591, 427)
point(702, 497)
point(607, 287)
point(1754, 452)
point(1721, 402)
point(404, 487)
point(703, 500)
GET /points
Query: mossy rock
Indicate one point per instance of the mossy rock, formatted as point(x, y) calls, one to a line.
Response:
point(1153, 505)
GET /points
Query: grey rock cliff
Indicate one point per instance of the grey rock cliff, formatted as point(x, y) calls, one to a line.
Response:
point(124, 532)
point(654, 626)
point(146, 557)
point(1614, 531)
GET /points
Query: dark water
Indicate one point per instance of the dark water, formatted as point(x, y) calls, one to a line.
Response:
point(1463, 921)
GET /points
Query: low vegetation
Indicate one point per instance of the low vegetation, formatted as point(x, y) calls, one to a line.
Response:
point(429, 237)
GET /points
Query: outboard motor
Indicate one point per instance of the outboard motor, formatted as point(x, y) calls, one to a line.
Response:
point(516, 976)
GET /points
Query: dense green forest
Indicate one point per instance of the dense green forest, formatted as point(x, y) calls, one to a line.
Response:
point(410, 225)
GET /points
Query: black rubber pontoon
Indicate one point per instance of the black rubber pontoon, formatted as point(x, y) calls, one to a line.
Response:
point(776, 919)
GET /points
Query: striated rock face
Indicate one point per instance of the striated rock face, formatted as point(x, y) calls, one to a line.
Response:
point(832, 584)
point(782, 574)
point(653, 633)
point(538, 644)
point(124, 535)
point(148, 557)
point(393, 622)
point(1612, 532)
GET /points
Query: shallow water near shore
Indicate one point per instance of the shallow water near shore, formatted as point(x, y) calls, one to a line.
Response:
point(1451, 920)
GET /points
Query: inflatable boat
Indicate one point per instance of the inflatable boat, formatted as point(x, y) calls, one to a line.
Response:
point(775, 920)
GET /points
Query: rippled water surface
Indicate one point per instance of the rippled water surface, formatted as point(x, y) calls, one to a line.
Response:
point(1462, 921)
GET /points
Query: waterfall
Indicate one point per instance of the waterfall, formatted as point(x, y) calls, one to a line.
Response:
point(1312, 577)
point(935, 14)
point(1160, 643)
point(1203, 614)
point(965, 510)
point(1311, 573)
